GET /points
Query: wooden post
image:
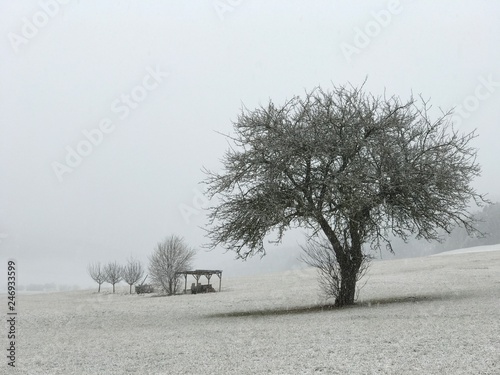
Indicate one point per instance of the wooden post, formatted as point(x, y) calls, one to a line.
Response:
point(220, 279)
point(185, 282)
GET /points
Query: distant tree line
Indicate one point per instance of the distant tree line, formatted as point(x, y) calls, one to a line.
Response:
point(112, 273)
point(488, 223)
point(47, 287)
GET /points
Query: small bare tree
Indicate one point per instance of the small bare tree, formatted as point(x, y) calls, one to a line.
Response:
point(318, 253)
point(96, 272)
point(132, 272)
point(169, 257)
point(113, 273)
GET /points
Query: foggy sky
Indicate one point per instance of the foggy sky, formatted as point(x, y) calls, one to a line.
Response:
point(158, 80)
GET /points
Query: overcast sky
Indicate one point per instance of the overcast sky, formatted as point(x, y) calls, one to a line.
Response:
point(110, 109)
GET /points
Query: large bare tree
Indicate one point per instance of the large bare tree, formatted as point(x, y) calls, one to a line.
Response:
point(96, 272)
point(113, 273)
point(170, 256)
point(346, 164)
point(132, 272)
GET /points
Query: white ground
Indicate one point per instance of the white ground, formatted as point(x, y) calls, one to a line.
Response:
point(432, 315)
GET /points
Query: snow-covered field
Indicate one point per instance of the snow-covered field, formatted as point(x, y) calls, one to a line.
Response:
point(432, 315)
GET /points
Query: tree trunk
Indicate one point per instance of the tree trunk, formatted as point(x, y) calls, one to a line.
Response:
point(349, 272)
point(347, 293)
point(349, 258)
point(130, 289)
point(99, 289)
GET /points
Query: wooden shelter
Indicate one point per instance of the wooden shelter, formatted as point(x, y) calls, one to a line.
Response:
point(197, 274)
